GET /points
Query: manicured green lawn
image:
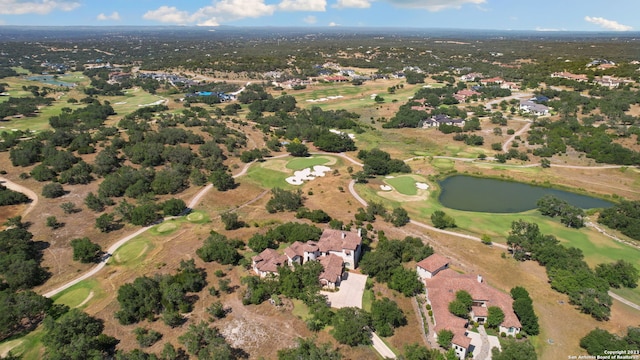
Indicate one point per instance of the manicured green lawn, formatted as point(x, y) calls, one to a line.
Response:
point(405, 185)
point(77, 294)
point(198, 217)
point(308, 162)
point(443, 164)
point(367, 300)
point(28, 347)
point(132, 252)
point(266, 178)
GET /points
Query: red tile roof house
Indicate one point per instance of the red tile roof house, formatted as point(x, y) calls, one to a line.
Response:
point(442, 284)
point(493, 80)
point(335, 250)
point(464, 94)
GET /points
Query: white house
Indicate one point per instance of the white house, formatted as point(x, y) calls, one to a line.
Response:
point(533, 108)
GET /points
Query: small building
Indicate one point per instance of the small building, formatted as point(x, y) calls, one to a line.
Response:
point(431, 265)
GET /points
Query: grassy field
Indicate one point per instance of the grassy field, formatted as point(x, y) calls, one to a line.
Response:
point(303, 163)
point(300, 310)
point(79, 295)
point(198, 217)
point(405, 185)
point(28, 347)
point(132, 252)
point(266, 178)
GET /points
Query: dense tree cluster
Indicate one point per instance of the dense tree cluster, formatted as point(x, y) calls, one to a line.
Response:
point(20, 258)
point(624, 217)
point(514, 349)
point(76, 335)
point(378, 162)
point(571, 216)
point(218, 248)
point(147, 297)
point(441, 220)
point(597, 143)
point(385, 263)
point(523, 308)
point(598, 341)
point(10, 197)
point(566, 268)
point(386, 316)
point(461, 305)
point(85, 251)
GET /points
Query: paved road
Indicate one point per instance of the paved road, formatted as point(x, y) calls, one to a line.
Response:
point(19, 188)
point(381, 347)
point(624, 301)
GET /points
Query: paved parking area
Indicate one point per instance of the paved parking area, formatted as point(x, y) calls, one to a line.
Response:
point(350, 293)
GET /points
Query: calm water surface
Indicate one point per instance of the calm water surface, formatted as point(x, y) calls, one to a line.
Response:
point(498, 196)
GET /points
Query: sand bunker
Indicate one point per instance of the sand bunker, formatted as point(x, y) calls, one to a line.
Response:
point(386, 187)
point(422, 186)
point(161, 101)
point(300, 176)
point(351, 136)
point(326, 98)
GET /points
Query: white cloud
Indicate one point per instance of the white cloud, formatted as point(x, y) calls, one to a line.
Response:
point(213, 15)
point(607, 24)
point(435, 5)
point(115, 16)
point(303, 5)
point(332, 24)
point(360, 4)
point(168, 14)
point(41, 7)
point(310, 19)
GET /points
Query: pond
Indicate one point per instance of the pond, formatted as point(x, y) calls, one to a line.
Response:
point(470, 193)
point(49, 79)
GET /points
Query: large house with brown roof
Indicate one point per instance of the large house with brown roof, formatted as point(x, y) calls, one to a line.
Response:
point(336, 249)
point(442, 284)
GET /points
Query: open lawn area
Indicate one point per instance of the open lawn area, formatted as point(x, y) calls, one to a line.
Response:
point(132, 252)
point(79, 295)
point(28, 347)
point(405, 184)
point(308, 162)
point(272, 173)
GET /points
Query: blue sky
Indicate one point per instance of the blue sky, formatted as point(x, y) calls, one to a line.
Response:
point(542, 15)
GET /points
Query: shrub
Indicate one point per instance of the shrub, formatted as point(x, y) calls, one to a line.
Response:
point(52, 190)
